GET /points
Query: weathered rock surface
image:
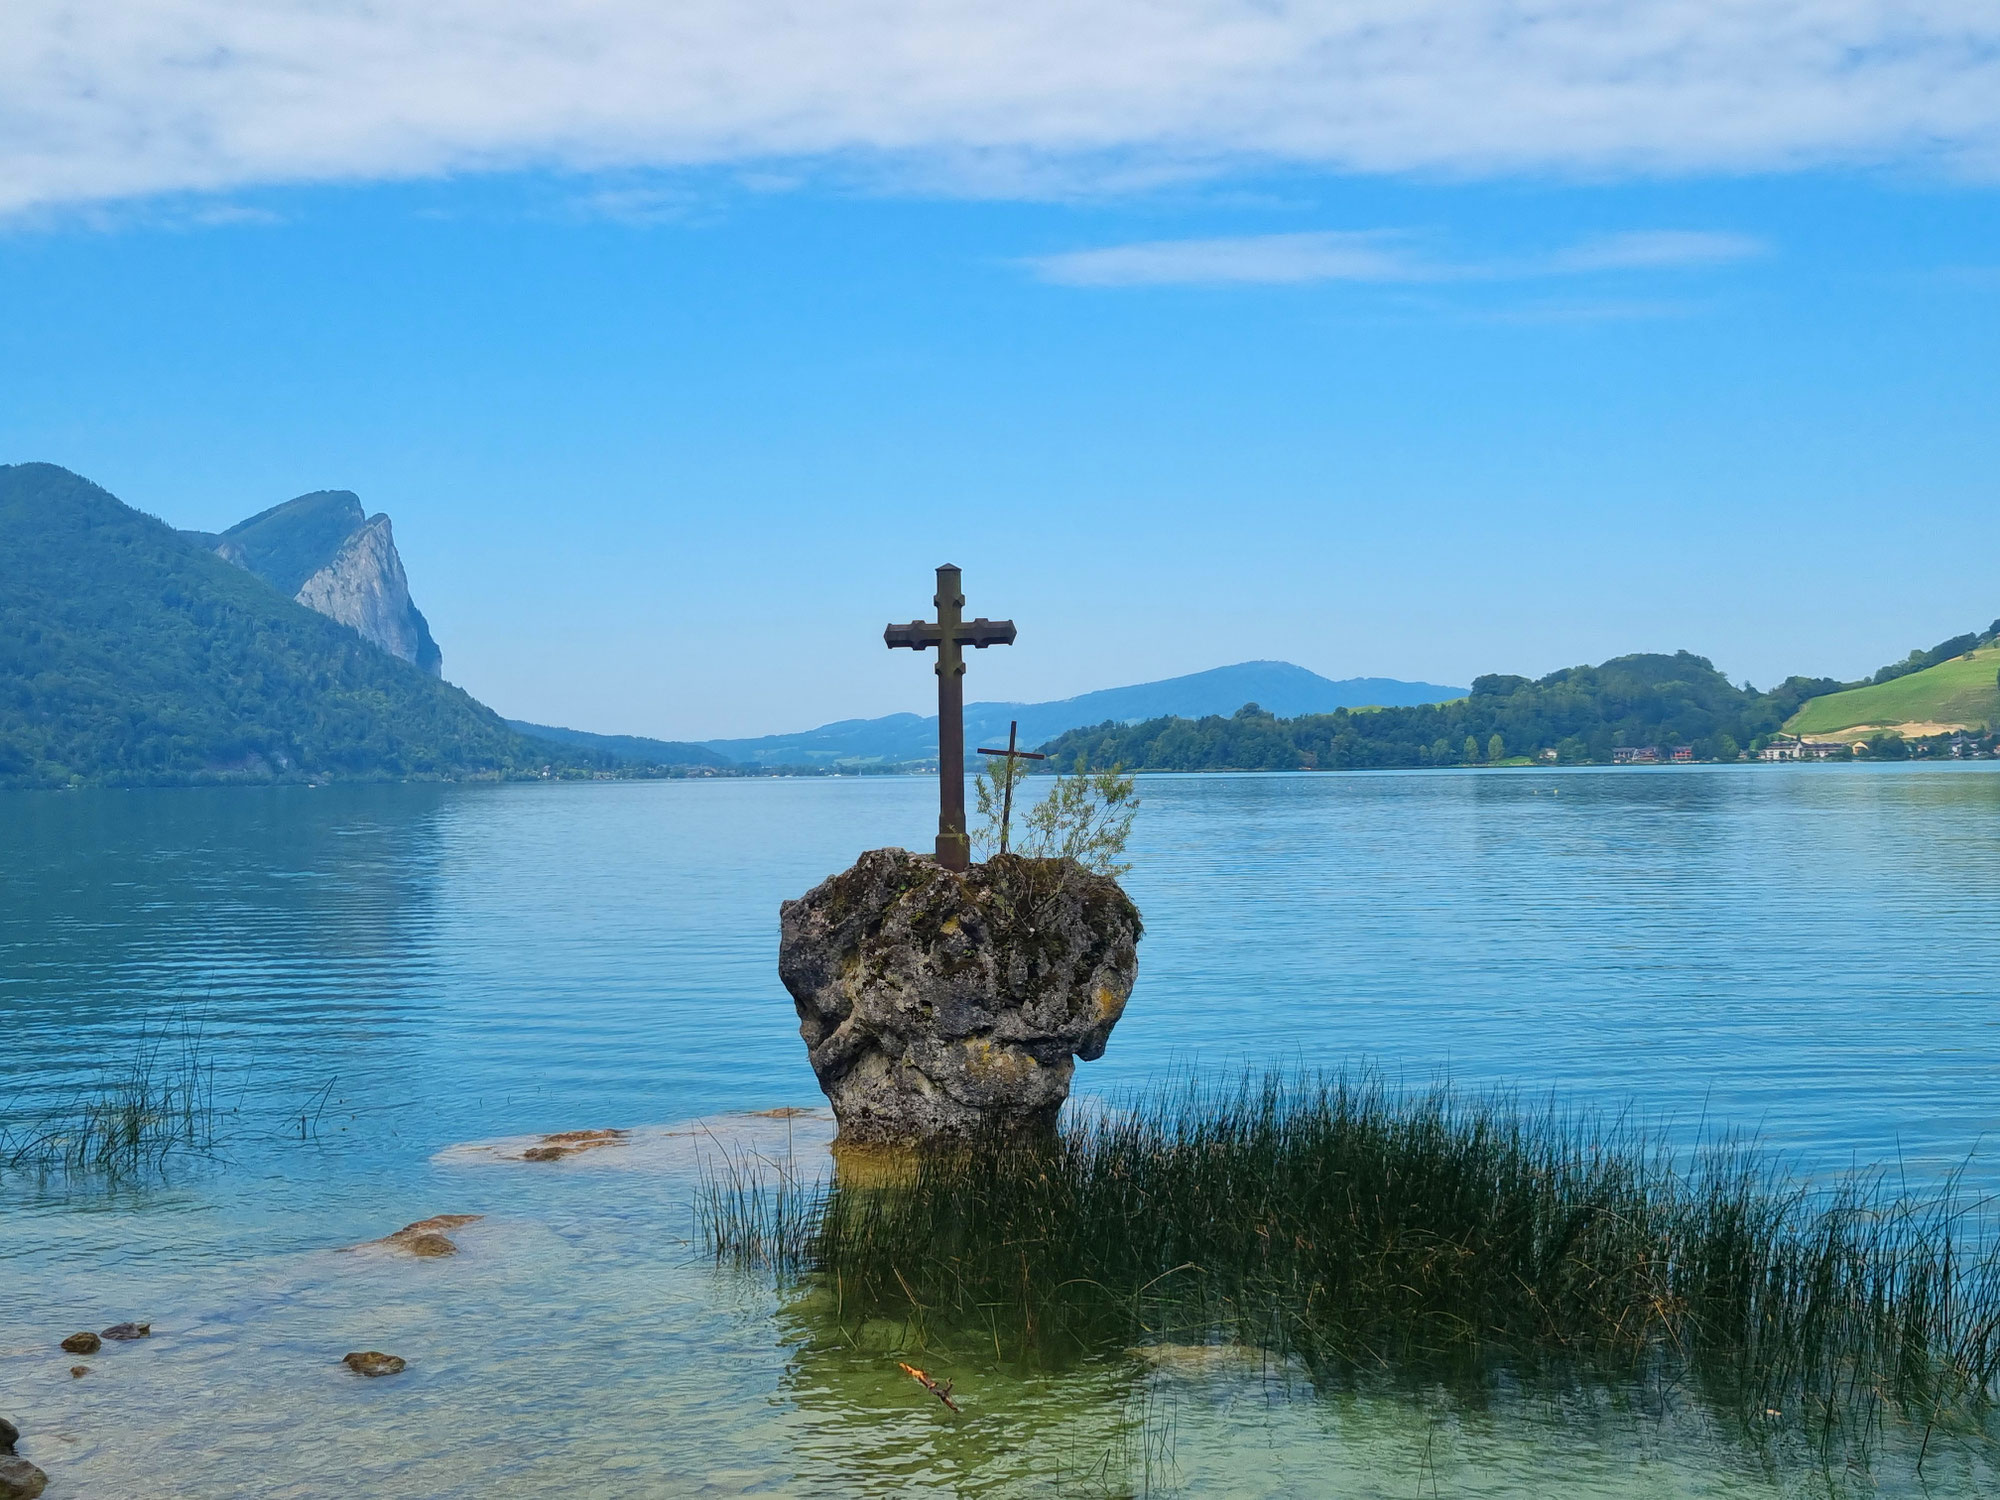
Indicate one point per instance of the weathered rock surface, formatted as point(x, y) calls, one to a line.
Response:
point(938, 1004)
point(364, 586)
point(9, 1436)
point(129, 1331)
point(82, 1343)
point(20, 1480)
point(373, 1362)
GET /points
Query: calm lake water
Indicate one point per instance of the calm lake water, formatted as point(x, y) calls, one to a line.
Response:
point(1808, 952)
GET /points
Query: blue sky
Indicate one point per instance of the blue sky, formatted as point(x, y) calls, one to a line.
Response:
point(674, 416)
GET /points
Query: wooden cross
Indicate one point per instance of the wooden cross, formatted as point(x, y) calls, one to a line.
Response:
point(950, 632)
point(1012, 755)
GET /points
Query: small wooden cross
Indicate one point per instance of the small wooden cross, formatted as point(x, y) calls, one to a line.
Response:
point(1012, 755)
point(950, 632)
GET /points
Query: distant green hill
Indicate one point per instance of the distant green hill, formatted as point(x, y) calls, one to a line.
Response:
point(1580, 714)
point(912, 739)
point(624, 749)
point(1962, 691)
point(131, 654)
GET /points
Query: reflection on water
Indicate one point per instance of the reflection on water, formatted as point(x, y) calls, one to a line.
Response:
point(1804, 949)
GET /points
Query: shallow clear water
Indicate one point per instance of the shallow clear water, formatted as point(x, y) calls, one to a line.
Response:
point(1807, 951)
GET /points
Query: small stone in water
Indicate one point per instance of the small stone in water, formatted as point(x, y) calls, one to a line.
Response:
point(127, 1331)
point(373, 1362)
point(82, 1343)
point(77, 1372)
point(9, 1436)
point(20, 1480)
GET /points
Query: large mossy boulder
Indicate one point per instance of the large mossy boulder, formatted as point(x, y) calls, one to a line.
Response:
point(940, 1004)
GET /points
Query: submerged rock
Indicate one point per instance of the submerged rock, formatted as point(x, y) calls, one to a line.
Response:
point(570, 1142)
point(20, 1480)
point(125, 1332)
point(9, 1436)
point(938, 1003)
point(427, 1237)
point(373, 1362)
point(77, 1372)
point(82, 1343)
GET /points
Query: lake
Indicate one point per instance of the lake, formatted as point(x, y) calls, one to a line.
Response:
point(380, 974)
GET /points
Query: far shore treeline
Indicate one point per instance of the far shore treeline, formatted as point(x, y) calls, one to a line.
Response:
point(1578, 716)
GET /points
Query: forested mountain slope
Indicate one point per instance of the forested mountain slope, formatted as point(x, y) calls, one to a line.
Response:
point(129, 653)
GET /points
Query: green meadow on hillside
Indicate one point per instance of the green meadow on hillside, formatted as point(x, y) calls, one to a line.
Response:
point(1960, 691)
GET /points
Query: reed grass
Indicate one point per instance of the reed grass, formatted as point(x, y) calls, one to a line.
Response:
point(125, 1125)
point(1355, 1229)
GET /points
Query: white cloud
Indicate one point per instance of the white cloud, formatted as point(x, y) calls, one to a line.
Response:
point(1375, 255)
point(134, 97)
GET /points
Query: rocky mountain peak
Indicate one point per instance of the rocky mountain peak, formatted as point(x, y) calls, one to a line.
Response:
point(364, 587)
point(330, 555)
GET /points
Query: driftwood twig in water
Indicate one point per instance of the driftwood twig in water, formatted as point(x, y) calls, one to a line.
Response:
point(941, 1390)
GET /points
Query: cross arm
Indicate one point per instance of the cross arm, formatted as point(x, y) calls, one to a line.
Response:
point(917, 635)
point(983, 632)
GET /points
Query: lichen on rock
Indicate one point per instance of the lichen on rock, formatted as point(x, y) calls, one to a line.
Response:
point(938, 1003)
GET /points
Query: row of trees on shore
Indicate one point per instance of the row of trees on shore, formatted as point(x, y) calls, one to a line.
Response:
point(1581, 714)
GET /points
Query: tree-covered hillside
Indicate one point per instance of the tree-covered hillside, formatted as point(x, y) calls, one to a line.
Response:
point(1581, 713)
point(131, 654)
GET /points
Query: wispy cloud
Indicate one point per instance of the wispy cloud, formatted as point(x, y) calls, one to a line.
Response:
point(1268, 258)
point(641, 206)
point(1657, 250)
point(1376, 256)
point(100, 102)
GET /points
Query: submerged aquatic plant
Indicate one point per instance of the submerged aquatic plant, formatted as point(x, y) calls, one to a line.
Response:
point(1356, 1229)
point(125, 1125)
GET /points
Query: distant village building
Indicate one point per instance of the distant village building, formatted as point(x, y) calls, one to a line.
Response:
point(1683, 753)
point(1792, 747)
point(1635, 755)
